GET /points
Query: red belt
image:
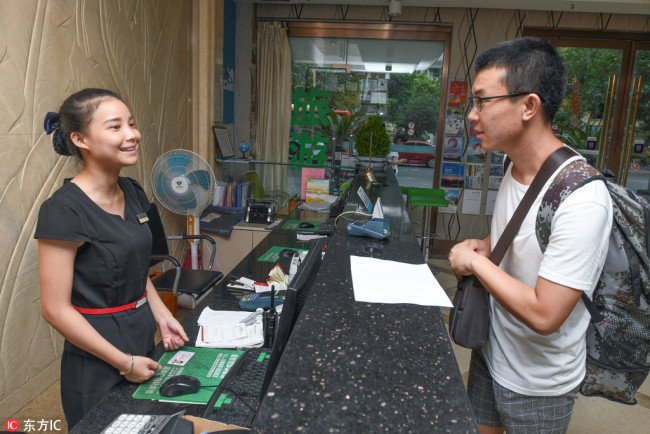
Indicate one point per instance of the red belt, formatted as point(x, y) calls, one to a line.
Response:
point(102, 310)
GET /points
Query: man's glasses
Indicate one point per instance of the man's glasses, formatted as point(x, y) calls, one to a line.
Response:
point(477, 101)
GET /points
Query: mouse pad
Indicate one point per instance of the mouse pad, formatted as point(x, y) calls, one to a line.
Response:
point(273, 254)
point(208, 365)
point(294, 225)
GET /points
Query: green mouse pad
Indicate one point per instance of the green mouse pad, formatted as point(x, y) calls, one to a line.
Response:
point(208, 365)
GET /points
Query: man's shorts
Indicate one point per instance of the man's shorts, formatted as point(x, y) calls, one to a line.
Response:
point(494, 405)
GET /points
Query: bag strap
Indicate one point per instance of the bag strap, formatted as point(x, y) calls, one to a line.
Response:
point(552, 163)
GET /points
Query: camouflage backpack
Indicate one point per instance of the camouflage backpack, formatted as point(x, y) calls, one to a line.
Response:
point(618, 337)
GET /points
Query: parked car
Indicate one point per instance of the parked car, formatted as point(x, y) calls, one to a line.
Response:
point(416, 152)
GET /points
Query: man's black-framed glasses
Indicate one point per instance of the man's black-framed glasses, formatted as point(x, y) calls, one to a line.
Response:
point(477, 101)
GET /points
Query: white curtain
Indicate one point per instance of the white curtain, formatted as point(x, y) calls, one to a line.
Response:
point(273, 101)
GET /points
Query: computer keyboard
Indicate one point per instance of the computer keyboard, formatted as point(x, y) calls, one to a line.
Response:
point(137, 424)
point(240, 404)
point(327, 227)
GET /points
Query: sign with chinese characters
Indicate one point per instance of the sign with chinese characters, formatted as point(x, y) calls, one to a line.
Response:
point(309, 112)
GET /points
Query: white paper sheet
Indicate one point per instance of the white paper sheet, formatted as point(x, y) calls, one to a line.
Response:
point(380, 281)
point(472, 202)
point(224, 329)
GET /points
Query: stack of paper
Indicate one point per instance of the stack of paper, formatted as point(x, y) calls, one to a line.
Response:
point(228, 329)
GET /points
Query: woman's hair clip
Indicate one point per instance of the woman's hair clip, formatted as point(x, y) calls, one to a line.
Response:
point(52, 122)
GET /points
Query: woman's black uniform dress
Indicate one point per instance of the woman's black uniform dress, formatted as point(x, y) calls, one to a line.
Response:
point(110, 269)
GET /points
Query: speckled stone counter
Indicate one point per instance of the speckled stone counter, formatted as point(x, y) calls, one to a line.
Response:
point(348, 367)
point(362, 367)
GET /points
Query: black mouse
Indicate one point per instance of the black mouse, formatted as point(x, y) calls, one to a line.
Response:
point(287, 253)
point(306, 225)
point(180, 385)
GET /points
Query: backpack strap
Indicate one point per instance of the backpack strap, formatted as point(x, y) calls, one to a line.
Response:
point(572, 176)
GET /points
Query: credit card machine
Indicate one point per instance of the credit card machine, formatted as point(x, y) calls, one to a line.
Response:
point(250, 302)
point(375, 228)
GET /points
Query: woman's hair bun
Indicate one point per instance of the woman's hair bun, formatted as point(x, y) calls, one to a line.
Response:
point(60, 146)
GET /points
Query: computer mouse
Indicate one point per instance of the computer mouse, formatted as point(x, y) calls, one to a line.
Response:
point(287, 253)
point(179, 385)
point(306, 225)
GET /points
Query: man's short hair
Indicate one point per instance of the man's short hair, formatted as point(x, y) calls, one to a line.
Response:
point(531, 65)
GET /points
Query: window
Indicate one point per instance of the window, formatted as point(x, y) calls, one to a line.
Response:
point(396, 72)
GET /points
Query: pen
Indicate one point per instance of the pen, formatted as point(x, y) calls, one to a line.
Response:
point(251, 318)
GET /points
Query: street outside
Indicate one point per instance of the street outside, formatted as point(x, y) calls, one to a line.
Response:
point(415, 176)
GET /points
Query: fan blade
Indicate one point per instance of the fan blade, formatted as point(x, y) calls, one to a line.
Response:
point(186, 200)
point(177, 163)
point(200, 177)
point(202, 196)
point(163, 184)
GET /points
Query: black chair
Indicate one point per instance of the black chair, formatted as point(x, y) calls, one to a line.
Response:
point(193, 283)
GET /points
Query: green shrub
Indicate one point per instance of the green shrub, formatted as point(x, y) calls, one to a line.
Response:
point(380, 140)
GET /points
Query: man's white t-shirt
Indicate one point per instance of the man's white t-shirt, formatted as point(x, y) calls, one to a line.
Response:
point(520, 359)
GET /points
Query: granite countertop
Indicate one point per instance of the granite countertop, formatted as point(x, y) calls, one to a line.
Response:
point(348, 366)
point(359, 367)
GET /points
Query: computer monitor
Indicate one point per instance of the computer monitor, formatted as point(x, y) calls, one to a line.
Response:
point(304, 277)
point(293, 303)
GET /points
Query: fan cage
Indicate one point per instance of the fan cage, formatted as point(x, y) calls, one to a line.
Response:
point(193, 177)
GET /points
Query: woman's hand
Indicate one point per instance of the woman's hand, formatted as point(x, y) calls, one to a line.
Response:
point(172, 333)
point(143, 368)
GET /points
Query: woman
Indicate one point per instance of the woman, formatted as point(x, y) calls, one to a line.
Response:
point(94, 247)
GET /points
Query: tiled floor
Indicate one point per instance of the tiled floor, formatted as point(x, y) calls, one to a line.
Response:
point(590, 415)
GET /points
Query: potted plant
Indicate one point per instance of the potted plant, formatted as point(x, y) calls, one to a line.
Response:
point(342, 125)
point(372, 142)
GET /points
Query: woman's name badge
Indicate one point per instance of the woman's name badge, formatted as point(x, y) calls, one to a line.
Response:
point(142, 218)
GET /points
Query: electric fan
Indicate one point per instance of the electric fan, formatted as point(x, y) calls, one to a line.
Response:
point(183, 183)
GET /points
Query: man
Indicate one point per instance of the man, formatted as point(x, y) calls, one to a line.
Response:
point(526, 377)
point(393, 156)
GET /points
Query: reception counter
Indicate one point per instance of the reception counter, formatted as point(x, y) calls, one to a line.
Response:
point(348, 366)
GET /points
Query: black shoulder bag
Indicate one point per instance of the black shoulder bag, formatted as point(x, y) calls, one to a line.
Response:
point(469, 319)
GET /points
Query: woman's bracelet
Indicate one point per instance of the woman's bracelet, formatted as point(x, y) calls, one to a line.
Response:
point(130, 367)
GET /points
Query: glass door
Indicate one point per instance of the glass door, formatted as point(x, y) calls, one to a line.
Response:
point(586, 116)
point(635, 166)
point(605, 115)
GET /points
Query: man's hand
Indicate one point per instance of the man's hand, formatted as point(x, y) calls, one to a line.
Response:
point(462, 254)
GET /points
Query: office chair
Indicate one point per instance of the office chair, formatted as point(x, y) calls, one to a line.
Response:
point(177, 280)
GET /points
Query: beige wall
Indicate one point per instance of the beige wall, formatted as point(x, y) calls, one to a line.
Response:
point(49, 49)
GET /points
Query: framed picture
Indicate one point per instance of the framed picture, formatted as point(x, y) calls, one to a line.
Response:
point(225, 147)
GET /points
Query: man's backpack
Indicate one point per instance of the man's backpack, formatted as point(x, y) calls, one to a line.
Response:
point(618, 337)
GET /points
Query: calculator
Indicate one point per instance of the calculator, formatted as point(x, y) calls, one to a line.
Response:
point(137, 424)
